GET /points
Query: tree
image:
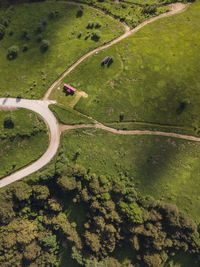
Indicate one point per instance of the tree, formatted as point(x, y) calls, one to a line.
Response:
point(45, 45)
point(96, 35)
point(12, 52)
point(32, 251)
point(40, 192)
point(8, 122)
point(6, 211)
point(22, 191)
point(92, 241)
point(2, 31)
point(67, 183)
point(153, 260)
point(131, 211)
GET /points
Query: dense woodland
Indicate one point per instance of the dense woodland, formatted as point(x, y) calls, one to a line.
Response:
point(35, 226)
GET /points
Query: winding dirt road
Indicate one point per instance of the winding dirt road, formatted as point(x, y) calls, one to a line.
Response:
point(129, 132)
point(175, 9)
point(41, 107)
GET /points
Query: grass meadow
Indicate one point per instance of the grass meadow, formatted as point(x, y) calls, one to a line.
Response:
point(64, 25)
point(154, 77)
point(166, 168)
point(67, 115)
point(23, 143)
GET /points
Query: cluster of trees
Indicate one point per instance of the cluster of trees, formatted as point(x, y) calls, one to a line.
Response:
point(35, 226)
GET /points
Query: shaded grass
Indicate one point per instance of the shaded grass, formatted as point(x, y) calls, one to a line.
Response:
point(23, 144)
point(166, 168)
point(67, 115)
point(32, 72)
point(154, 73)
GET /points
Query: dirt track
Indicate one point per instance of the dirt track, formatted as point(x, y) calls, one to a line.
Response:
point(41, 107)
point(175, 8)
point(129, 132)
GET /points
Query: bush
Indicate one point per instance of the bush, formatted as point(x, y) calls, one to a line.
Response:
point(25, 48)
point(12, 52)
point(90, 25)
point(79, 13)
point(45, 45)
point(2, 31)
point(148, 9)
point(39, 38)
point(8, 122)
point(96, 36)
point(40, 27)
point(98, 25)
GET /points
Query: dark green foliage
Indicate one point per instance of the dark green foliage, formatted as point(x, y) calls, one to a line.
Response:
point(2, 31)
point(12, 52)
point(67, 183)
point(45, 45)
point(8, 122)
point(25, 48)
point(79, 13)
point(38, 223)
point(96, 35)
point(149, 9)
point(22, 191)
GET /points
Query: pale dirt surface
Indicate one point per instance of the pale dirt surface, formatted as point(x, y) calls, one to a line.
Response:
point(129, 132)
point(175, 9)
point(40, 107)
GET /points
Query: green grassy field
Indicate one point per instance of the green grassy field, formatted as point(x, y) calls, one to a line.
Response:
point(154, 76)
point(167, 168)
point(132, 13)
point(33, 71)
point(22, 144)
point(68, 115)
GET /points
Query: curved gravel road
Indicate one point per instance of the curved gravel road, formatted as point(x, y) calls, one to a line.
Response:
point(40, 107)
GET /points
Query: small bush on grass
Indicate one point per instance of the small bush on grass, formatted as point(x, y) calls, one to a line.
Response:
point(79, 13)
point(96, 36)
point(25, 48)
point(2, 31)
point(39, 38)
point(90, 25)
point(12, 52)
point(8, 122)
point(148, 9)
point(45, 45)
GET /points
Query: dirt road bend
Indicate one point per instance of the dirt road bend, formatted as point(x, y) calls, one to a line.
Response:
point(40, 107)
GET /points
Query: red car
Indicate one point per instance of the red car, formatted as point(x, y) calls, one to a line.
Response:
point(68, 89)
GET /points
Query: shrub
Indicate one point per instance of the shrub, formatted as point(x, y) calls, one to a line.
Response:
point(2, 31)
point(45, 45)
point(96, 36)
point(79, 13)
point(90, 25)
point(25, 48)
point(149, 9)
point(98, 25)
point(12, 52)
point(39, 38)
point(40, 27)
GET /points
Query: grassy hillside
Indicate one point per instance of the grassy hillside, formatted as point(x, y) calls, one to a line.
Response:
point(166, 168)
point(154, 76)
point(68, 115)
point(130, 11)
point(23, 142)
point(64, 26)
